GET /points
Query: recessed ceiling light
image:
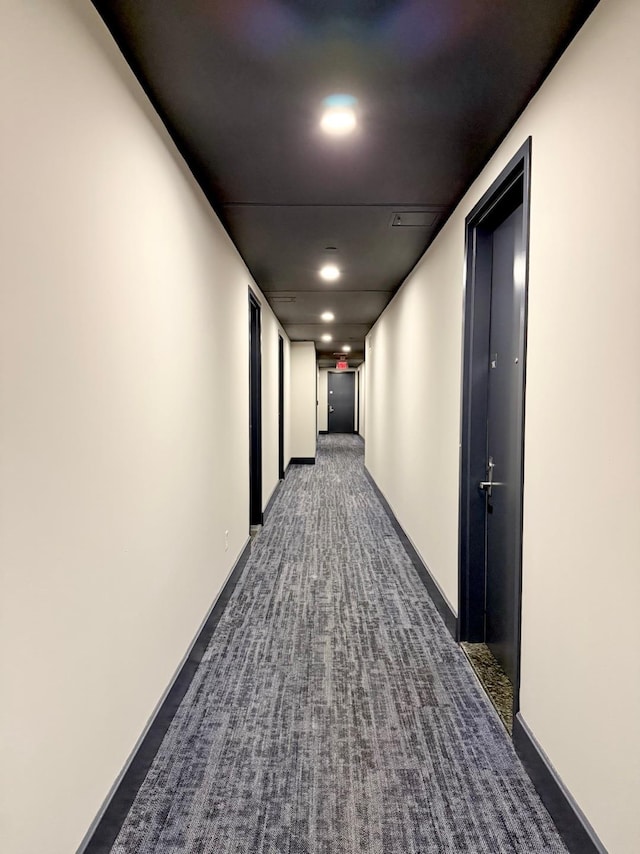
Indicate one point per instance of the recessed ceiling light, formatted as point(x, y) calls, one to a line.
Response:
point(327, 316)
point(326, 337)
point(347, 348)
point(339, 117)
point(329, 273)
point(338, 122)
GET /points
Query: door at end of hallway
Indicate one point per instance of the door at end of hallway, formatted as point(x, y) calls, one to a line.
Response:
point(341, 402)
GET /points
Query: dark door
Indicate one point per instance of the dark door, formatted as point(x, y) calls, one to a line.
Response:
point(280, 407)
point(255, 413)
point(504, 442)
point(341, 402)
point(492, 434)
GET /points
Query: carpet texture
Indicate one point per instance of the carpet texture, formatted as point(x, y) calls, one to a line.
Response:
point(332, 712)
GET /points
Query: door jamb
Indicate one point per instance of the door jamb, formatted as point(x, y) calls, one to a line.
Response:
point(475, 352)
point(343, 373)
point(255, 411)
point(281, 470)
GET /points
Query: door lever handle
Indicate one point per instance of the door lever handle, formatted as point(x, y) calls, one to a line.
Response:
point(487, 485)
point(331, 409)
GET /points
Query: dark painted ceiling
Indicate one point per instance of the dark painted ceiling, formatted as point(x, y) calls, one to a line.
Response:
point(240, 85)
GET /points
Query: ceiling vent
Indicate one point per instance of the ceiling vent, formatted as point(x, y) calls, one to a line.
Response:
point(413, 219)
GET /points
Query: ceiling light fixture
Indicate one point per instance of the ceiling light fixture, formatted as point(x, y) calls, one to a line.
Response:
point(339, 117)
point(326, 338)
point(346, 348)
point(327, 316)
point(329, 273)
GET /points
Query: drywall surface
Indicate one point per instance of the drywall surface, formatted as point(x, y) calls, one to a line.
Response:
point(412, 399)
point(123, 423)
point(304, 376)
point(581, 571)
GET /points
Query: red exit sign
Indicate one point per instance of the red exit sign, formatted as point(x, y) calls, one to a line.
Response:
point(342, 366)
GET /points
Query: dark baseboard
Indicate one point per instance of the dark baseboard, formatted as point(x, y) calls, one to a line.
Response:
point(572, 824)
point(302, 461)
point(105, 828)
point(442, 606)
point(323, 432)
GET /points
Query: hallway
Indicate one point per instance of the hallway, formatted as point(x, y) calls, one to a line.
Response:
point(332, 712)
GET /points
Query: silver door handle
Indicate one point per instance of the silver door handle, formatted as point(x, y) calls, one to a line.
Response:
point(331, 409)
point(487, 485)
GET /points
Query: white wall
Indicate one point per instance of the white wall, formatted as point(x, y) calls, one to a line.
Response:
point(124, 417)
point(581, 570)
point(303, 398)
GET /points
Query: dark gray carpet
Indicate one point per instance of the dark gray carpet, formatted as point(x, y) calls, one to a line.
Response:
point(332, 713)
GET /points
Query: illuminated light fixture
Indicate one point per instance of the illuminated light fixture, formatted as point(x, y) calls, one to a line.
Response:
point(327, 316)
point(339, 116)
point(326, 338)
point(346, 349)
point(329, 273)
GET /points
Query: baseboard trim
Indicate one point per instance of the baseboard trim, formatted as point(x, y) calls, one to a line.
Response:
point(323, 432)
point(442, 606)
point(105, 827)
point(572, 824)
point(302, 461)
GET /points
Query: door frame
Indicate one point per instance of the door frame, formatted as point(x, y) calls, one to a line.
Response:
point(353, 400)
point(514, 178)
point(255, 411)
point(281, 469)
